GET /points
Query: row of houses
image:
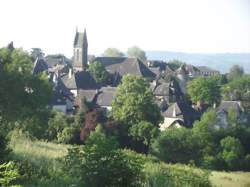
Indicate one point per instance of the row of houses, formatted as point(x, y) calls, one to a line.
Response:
point(74, 84)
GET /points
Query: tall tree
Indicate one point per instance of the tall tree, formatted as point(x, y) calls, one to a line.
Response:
point(113, 52)
point(99, 72)
point(235, 72)
point(204, 91)
point(135, 108)
point(136, 52)
point(22, 94)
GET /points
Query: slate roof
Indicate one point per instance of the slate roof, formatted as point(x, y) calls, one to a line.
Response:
point(206, 69)
point(39, 66)
point(80, 80)
point(88, 94)
point(156, 71)
point(123, 66)
point(181, 70)
point(106, 96)
point(52, 61)
point(162, 89)
point(80, 39)
point(226, 105)
point(182, 111)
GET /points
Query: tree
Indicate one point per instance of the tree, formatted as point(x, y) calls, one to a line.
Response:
point(113, 52)
point(235, 72)
point(135, 102)
point(175, 64)
point(136, 52)
point(135, 109)
point(22, 94)
point(177, 145)
point(204, 91)
point(232, 152)
point(99, 72)
point(101, 163)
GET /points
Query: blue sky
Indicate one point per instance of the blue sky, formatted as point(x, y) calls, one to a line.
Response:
point(207, 26)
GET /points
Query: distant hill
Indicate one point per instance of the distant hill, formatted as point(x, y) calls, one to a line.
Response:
point(221, 61)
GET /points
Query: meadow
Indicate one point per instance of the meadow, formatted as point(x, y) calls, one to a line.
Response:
point(45, 155)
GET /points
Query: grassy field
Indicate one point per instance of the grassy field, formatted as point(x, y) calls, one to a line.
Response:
point(230, 179)
point(45, 154)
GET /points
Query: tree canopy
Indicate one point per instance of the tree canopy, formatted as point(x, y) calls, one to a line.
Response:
point(113, 52)
point(235, 72)
point(136, 52)
point(204, 90)
point(99, 72)
point(21, 93)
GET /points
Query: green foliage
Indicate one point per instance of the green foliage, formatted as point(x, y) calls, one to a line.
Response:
point(136, 52)
point(99, 72)
point(232, 152)
point(175, 64)
point(144, 131)
point(160, 174)
point(204, 90)
point(56, 125)
point(69, 135)
point(113, 52)
point(8, 174)
point(4, 151)
point(22, 94)
point(100, 163)
point(177, 145)
point(135, 102)
point(235, 72)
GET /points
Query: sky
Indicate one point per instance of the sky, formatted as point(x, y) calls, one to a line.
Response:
point(193, 26)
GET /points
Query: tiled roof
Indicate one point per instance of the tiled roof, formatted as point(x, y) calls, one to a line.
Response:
point(39, 66)
point(123, 66)
point(106, 96)
point(226, 105)
point(162, 89)
point(205, 69)
point(88, 94)
point(80, 80)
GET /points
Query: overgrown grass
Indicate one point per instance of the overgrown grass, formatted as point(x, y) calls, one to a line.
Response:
point(43, 157)
point(230, 179)
point(39, 160)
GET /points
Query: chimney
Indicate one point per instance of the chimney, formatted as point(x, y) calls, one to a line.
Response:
point(174, 111)
point(70, 73)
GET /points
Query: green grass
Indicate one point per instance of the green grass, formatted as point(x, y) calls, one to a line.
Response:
point(46, 154)
point(230, 179)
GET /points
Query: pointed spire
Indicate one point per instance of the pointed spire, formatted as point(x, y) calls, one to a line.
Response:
point(85, 40)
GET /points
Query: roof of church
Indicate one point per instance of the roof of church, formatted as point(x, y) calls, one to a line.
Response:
point(80, 39)
point(80, 80)
point(123, 66)
point(39, 66)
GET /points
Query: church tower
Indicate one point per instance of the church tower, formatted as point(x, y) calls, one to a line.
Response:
point(80, 60)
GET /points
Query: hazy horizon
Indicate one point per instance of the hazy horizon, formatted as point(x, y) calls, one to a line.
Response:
point(195, 26)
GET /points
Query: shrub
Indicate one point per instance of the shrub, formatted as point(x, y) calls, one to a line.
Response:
point(160, 174)
point(177, 145)
point(101, 163)
point(8, 174)
point(69, 135)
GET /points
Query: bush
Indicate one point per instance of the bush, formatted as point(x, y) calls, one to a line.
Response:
point(4, 151)
point(69, 135)
point(232, 153)
point(101, 163)
point(8, 174)
point(160, 174)
point(177, 145)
